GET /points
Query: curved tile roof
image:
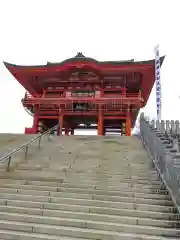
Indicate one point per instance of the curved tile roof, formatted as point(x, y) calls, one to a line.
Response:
point(80, 57)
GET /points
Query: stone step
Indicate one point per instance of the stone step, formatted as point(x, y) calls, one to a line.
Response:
point(111, 182)
point(14, 164)
point(93, 158)
point(113, 186)
point(61, 171)
point(48, 174)
point(88, 229)
point(125, 176)
point(9, 141)
point(93, 186)
point(88, 202)
point(30, 176)
point(101, 168)
point(94, 173)
point(110, 174)
point(119, 186)
point(12, 181)
point(97, 162)
point(15, 213)
point(110, 177)
point(82, 221)
point(60, 185)
point(99, 180)
point(140, 211)
point(35, 177)
point(104, 170)
point(12, 235)
point(82, 167)
point(145, 195)
point(128, 199)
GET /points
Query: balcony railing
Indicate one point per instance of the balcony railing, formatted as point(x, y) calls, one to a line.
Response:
point(57, 98)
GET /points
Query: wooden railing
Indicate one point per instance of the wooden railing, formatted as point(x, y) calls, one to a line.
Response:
point(104, 96)
point(129, 99)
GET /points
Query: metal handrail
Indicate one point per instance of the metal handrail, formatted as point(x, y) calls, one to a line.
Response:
point(25, 146)
point(164, 152)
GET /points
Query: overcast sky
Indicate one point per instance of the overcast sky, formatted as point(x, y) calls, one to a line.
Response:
point(37, 31)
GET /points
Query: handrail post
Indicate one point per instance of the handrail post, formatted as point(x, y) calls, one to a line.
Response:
point(39, 143)
point(26, 152)
point(9, 162)
point(49, 137)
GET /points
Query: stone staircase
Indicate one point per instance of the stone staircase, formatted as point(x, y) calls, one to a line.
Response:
point(86, 187)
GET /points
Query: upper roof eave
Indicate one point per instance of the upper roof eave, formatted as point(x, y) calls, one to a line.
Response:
point(128, 62)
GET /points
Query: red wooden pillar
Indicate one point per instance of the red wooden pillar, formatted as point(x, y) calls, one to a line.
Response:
point(35, 123)
point(128, 124)
point(61, 125)
point(100, 123)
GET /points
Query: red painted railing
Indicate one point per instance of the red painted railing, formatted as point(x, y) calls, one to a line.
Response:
point(52, 97)
point(109, 102)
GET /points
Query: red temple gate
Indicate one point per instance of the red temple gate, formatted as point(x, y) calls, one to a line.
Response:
point(84, 93)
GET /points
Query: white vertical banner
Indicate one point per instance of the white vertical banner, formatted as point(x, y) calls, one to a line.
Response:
point(158, 82)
